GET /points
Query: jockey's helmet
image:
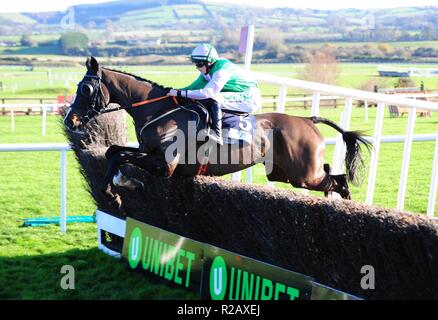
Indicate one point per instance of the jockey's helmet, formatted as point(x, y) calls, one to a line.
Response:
point(204, 53)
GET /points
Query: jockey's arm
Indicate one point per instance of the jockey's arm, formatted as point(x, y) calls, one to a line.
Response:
point(199, 83)
point(211, 89)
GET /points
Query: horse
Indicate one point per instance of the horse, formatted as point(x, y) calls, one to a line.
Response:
point(294, 144)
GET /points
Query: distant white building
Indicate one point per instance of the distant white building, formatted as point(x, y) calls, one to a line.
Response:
point(8, 44)
point(148, 42)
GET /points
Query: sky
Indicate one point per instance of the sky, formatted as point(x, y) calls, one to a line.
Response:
point(57, 5)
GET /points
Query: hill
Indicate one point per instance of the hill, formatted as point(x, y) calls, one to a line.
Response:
point(195, 15)
point(173, 27)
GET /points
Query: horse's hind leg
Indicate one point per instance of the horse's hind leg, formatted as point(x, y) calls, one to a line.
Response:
point(339, 185)
point(327, 171)
point(326, 183)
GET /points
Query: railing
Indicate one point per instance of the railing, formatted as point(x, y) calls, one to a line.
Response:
point(382, 100)
point(60, 147)
point(318, 90)
point(64, 147)
point(42, 107)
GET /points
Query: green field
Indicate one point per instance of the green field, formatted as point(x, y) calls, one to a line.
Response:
point(46, 82)
point(31, 259)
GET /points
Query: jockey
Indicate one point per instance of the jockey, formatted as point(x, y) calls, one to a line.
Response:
point(222, 85)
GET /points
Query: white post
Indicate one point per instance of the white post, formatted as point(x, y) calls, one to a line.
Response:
point(375, 152)
point(347, 113)
point(44, 120)
point(339, 141)
point(236, 176)
point(282, 99)
point(248, 58)
point(63, 220)
point(406, 157)
point(433, 183)
point(249, 177)
point(12, 120)
point(315, 104)
point(249, 46)
point(366, 111)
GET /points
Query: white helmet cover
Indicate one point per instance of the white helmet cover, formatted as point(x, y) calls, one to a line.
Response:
point(204, 52)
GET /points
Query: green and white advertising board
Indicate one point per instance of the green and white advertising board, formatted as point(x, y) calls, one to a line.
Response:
point(174, 259)
point(215, 273)
point(229, 276)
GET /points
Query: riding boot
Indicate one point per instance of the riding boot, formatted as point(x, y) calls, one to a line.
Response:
point(216, 119)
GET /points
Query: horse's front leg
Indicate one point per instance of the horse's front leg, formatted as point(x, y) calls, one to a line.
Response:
point(154, 164)
point(113, 166)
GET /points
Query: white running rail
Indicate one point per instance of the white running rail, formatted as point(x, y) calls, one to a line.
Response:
point(318, 90)
point(60, 147)
point(40, 106)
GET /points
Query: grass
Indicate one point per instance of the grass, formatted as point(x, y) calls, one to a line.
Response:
point(31, 259)
point(20, 83)
point(28, 129)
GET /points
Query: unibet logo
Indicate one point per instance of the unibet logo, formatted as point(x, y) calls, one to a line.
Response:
point(135, 246)
point(218, 278)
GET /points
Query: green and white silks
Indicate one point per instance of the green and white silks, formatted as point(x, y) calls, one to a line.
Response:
point(227, 83)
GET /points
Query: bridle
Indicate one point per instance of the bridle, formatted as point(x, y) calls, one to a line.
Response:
point(92, 90)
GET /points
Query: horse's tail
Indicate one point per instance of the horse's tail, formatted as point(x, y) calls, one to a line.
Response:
point(353, 158)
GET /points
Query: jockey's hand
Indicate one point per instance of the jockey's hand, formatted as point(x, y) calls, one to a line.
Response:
point(173, 92)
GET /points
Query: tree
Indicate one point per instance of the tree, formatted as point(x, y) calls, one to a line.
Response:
point(273, 41)
point(73, 42)
point(385, 48)
point(322, 67)
point(428, 32)
point(405, 83)
point(228, 40)
point(27, 41)
point(336, 23)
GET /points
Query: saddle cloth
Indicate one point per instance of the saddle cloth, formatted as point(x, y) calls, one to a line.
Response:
point(235, 126)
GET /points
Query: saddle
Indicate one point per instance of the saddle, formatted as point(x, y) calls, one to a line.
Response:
point(236, 126)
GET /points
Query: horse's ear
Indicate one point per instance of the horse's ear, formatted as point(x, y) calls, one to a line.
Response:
point(92, 64)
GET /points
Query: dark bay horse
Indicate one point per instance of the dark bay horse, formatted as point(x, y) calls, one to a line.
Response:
point(291, 148)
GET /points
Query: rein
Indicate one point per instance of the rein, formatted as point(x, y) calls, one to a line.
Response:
point(98, 94)
point(139, 104)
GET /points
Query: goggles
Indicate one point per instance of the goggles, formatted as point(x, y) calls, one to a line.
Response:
point(200, 64)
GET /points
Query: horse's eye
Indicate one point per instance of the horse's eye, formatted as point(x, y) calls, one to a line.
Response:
point(87, 89)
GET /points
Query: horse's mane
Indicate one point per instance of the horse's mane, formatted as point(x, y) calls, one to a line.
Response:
point(154, 84)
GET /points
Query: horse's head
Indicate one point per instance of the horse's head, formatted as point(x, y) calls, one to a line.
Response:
point(91, 98)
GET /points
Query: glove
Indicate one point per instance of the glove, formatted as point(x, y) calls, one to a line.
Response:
point(173, 92)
